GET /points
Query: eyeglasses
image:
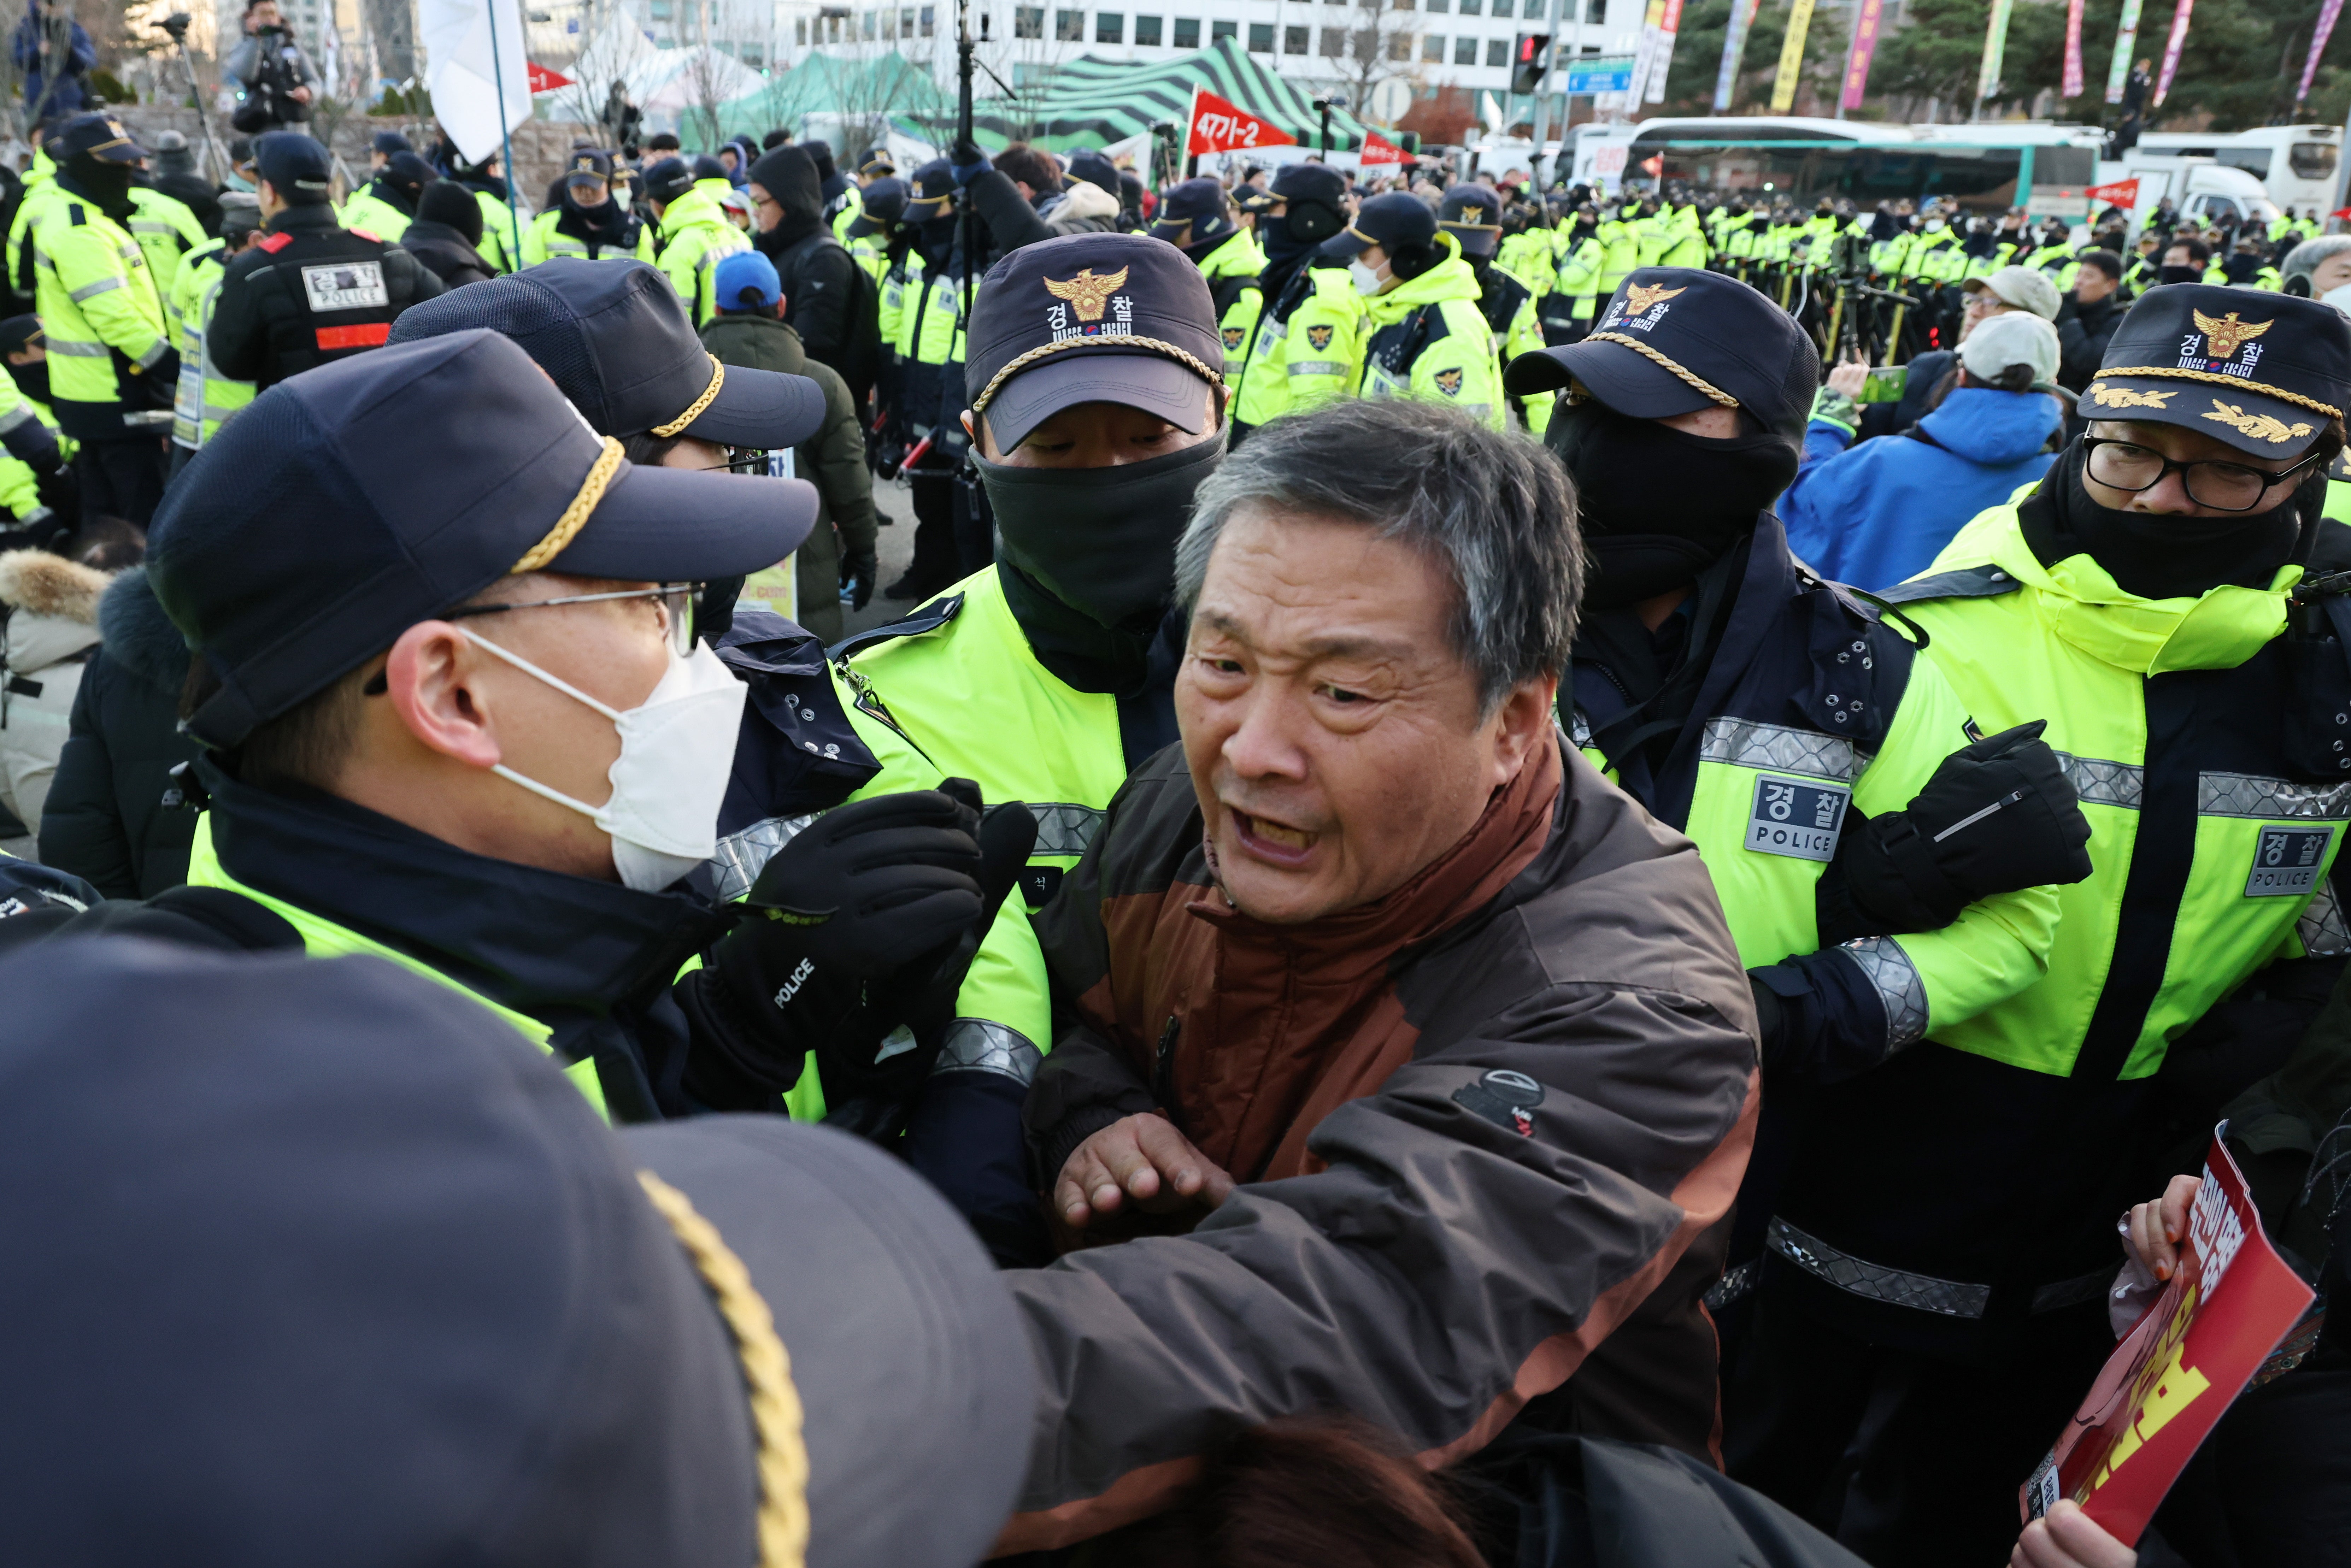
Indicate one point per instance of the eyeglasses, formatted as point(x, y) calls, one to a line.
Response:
point(2223, 486)
point(677, 602)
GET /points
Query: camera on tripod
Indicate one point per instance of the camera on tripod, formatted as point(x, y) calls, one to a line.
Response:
point(176, 24)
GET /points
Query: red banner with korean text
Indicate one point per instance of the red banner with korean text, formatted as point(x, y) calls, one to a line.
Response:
point(2121, 193)
point(2168, 1384)
point(1378, 149)
point(2070, 86)
point(543, 79)
point(1221, 127)
point(1861, 50)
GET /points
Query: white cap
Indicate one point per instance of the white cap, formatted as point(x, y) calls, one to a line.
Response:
point(2019, 286)
point(2010, 337)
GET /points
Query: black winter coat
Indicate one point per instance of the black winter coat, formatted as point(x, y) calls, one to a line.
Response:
point(446, 254)
point(105, 821)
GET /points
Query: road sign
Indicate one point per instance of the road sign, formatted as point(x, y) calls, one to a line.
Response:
point(1390, 100)
point(1600, 73)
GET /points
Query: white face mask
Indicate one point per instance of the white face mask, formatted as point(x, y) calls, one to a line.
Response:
point(2338, 298)
point(1934, 226)
point(1367, 280)
point(677, 748)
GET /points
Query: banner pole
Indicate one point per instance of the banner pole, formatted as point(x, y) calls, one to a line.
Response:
point(506, 136)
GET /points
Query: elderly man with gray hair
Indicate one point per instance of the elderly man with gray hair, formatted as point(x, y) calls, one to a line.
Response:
point(1406, 1061)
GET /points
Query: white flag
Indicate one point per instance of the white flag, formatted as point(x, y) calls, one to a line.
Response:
point(466, 69)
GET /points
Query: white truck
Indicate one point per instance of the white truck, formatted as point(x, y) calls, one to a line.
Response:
point(2198, 186)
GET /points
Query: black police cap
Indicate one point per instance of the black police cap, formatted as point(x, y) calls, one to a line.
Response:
point(705, 167)
point(588, 163)
point(668, 180)
point(1395, 221)
point(101, 136)
point(1311, 182)
point(1193, 210)
point(877, 160)
point(349, 503)
point(1675, 340)
point(616, 340)
point(884, 200)
point(406, 172)
point(319, 1260)
point(1473, 215)
point(2264, 373)
point(1092, 317)
point(297, 166)
point(934, 191)
point(389, 142)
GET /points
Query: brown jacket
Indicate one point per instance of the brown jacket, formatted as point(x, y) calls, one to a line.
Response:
point(1482, 1120)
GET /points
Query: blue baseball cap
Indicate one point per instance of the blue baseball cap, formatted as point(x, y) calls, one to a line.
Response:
point(747, 272)
point(349, 503)
point(321, 1261)
point(616, 340)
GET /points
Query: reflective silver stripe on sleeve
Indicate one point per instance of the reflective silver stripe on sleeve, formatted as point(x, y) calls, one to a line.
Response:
point(76, 351)
point(89, 290)
point(2245, 795)
point(154, 356)
point(21, 414)
point(1744, 743)
point(2321, 927)
point(982, 1045)
point(1065, 829)
point(1579, 733)
point(138, 227)
point(743, 853)
point(1736, 1284)
point(2104, 783)
point(1318, 368)
point(1901, 990)
point(1874, 1281)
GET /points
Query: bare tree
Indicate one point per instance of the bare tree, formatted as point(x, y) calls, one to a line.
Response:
point(1381, 37)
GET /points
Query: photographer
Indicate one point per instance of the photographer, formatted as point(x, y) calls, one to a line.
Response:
point(55, 54)
point(272, 75)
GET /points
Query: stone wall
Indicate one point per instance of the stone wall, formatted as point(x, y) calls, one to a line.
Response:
point(541, 147)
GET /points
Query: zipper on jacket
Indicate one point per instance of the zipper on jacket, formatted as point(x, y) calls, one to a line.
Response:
point(1163, 1067)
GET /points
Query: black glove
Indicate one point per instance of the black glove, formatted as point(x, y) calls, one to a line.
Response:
point(858, 571)
point(966, 160)
point(858, 893)
point(1997, 816)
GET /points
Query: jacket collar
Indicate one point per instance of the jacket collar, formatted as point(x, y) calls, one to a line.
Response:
point(314, 215)
point(1448, 279)
point(537, 941)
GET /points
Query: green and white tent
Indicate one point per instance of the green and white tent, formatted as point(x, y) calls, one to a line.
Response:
point(1093, 102)
point(889, 87)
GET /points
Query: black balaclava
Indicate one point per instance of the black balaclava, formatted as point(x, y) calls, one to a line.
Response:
point(2158, 557)
point(788, 174)
point(606, 224)
point(32, 379)
point(108, 186)
point(448, 202)
point(1087, 557)
point(1657, 505)
point(2188, 274)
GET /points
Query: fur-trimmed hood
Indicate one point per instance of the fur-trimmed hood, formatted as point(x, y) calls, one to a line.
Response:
point(52, 605)
point(140, 636)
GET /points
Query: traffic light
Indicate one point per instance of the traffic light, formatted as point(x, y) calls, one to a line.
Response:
point(1533, 57)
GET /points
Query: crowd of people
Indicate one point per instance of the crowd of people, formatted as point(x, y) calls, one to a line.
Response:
point(1508, 892)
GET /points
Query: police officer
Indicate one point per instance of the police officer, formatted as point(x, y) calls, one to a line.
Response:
point(204, 396)
point(111, 364)
point(308, 291)
point(872, 232)
point(928, 313)
point(1048, 675)
point(1195, 218)
point(1422, 334)
point(1942, 1281)
point(473, 728)
point(1567, 313)
point(37, 487)
point(1876, 861)
point(589, 222)
point(1303, 349)
point(695, 232)
point(1504, 299)
point(512, 1333)
point(386, 205)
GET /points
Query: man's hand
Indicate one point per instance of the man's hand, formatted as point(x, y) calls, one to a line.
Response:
point(2067, 1538)
point(1849, 378)
point(1140, 1157)
point(2155, 1230)
point(300, 95)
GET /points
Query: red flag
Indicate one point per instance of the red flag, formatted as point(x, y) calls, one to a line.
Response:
point(2072, 85)
point(1221, 127)
point(2121, 193)
point(545, 80)
point(1377, 149)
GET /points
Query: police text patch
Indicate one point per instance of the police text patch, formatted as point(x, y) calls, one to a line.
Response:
point(346, 286)
point(2286, 862)
point(1796, 817)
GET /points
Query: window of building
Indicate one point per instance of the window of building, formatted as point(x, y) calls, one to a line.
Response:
point(1069, 26)
point(1438, 6)
point(930, 21)
point(906, 23)
point(1028, 21)
point(1334, 43)
point(1110, 26)
point(1399, 4)
point(1260, 37)
point(1399, 45)
point(799, 31)
point(1465, 51)
point(1293, 40)
point(1599, 13)
point(1222, 30)
point(1470, 7)
point(1147, 32)
point(1188, 32)
point(1498, 52)
point(1432, 48)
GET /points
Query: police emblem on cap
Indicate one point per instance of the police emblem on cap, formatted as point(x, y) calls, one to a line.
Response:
point(584, 161)
point(1449, 383)
point(1233, 336)
point(1319, 336)
point(2223, 335)
point(1639, 296)
point(1085, 292)
point(2260, 426)
point(1473, 213)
